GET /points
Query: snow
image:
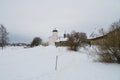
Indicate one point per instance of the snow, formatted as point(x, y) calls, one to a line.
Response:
point(17, 63)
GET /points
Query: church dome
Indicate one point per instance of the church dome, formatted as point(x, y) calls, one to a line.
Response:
point(55, 30)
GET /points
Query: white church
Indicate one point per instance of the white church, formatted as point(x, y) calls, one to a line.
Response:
point(55, 38)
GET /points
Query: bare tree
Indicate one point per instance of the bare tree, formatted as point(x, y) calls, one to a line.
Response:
point(3, 36)
point(75, 39)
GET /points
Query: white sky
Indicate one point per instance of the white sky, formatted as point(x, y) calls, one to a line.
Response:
point(26, 19)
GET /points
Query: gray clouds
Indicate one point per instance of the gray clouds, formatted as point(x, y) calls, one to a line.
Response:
point(38, 17)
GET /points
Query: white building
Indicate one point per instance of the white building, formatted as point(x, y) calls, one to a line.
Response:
point(53, 38)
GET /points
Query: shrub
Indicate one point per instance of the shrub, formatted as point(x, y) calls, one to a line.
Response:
point(111, 45)
point(36, 41)
point(75, 39)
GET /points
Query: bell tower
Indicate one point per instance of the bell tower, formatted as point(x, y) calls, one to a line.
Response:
point(54, 37)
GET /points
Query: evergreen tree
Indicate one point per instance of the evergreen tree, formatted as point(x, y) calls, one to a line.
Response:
point(36, 42)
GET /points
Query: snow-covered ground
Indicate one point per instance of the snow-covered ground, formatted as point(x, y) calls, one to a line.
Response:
point(17, 63)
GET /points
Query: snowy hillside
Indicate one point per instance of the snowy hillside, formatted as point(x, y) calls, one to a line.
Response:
point(17, 63)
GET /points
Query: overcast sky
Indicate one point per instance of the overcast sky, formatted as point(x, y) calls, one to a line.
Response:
point(26, 19)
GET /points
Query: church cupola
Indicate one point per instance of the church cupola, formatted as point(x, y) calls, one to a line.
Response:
point(55, 30)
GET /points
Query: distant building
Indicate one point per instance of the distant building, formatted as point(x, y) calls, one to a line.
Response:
point(101, 39)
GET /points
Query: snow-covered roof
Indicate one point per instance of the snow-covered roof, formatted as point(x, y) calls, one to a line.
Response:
point(61, 39)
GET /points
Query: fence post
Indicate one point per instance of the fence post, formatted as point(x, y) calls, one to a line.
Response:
point(56, 63)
